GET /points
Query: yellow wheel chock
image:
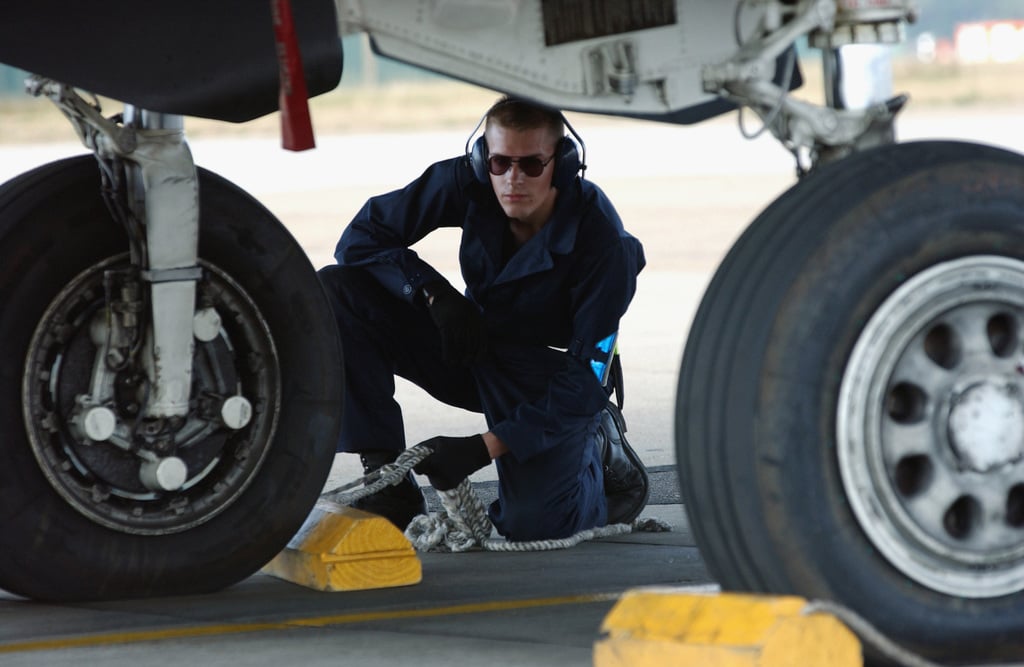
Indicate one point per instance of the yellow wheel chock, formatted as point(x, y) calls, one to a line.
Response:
point(658, 627)
point(340, 548)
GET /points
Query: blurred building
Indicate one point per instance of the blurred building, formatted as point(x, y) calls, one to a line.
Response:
point(989, 42)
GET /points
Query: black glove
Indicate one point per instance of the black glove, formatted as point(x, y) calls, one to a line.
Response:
point(454, 459)
point(463, 335)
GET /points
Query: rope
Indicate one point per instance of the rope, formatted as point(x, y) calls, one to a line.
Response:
point(387, 475)
point(463, 523)
point(870, 635)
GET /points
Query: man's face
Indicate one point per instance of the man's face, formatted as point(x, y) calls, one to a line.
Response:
point(527, 199)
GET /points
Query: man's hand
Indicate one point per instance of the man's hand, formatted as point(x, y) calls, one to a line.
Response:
point(454, 459)
point(463, 335)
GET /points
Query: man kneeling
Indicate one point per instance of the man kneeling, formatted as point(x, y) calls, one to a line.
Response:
point(549, 271)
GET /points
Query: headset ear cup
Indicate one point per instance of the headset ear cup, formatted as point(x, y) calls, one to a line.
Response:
point(478, 160)
point(567, 163)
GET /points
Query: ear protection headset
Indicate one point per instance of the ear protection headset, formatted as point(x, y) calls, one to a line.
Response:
point(566, 158)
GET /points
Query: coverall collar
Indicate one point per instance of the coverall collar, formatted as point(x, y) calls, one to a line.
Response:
point(557, 236)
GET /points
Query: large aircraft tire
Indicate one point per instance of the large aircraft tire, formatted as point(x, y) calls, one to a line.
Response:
point(850, 413)
point(75, 521)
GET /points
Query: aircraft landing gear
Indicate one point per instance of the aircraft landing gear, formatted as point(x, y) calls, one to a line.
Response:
point(825, 435)
point(100, 499)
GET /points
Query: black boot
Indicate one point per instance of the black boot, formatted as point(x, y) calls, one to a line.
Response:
point(626, 485)
point(399, 503)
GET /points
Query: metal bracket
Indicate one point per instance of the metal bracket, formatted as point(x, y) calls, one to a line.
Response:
point(100, 135)
point(612, 67)
point(820, 133)
point(188, 274)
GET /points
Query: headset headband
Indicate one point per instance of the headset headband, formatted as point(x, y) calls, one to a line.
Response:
point(565, 121)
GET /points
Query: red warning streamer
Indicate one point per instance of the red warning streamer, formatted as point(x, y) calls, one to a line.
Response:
point(296, 125)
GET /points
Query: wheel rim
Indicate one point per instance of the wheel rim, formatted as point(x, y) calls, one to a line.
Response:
point(101, 481)
point(930, 427)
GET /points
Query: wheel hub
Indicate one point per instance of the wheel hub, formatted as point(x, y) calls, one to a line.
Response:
point(986, 426)
point(930, 428)
point(136, 474)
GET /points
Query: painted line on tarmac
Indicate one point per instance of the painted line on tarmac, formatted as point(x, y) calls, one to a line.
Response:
point(114, 638)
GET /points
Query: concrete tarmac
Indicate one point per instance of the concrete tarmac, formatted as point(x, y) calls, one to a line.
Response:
point(470, 609)
point(686, 193)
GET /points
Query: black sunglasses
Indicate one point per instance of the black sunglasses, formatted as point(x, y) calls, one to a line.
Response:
point(531, 165)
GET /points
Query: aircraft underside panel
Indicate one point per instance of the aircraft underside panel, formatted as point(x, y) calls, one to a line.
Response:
point(189, 57)
point(641, 58)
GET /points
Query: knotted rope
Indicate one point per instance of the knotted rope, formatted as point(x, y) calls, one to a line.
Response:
point(872, 637)
point(463, 523)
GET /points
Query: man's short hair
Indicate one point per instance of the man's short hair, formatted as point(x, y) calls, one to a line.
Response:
point(517, 114)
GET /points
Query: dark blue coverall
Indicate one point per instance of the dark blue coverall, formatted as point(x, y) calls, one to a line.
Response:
point(545, 305)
